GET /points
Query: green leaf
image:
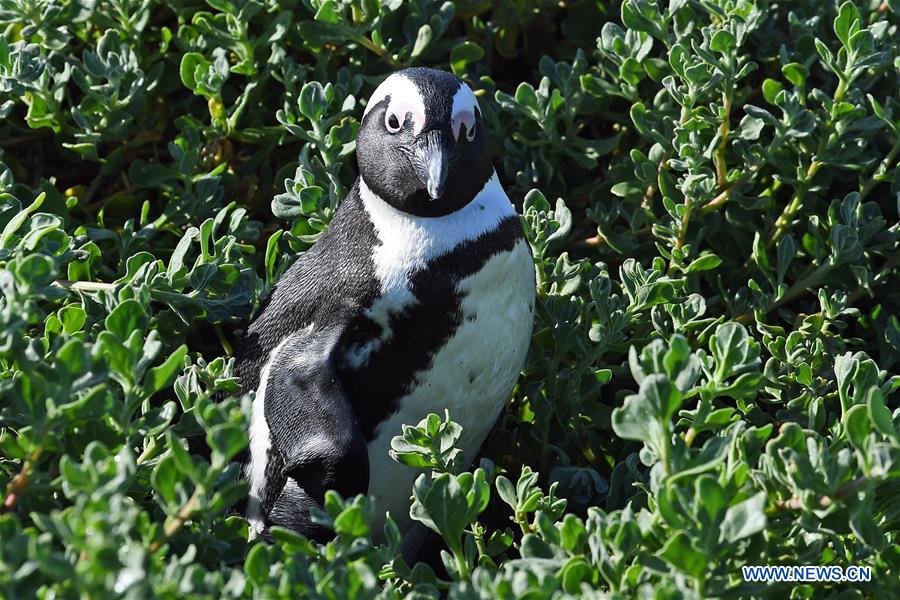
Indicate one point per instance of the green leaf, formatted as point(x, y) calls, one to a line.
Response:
point(312, 103)
point(257, 564)
point(796, 73)
point(744, 519)
point(645, 416)
point(847, 22)
point(723, 42)
point(72, 318)
point(506, 490)
point(129, 316)
point(704, 263)
point(352, 522)
point(440, 505)
point(879, 413)
point(166, 479)
point(863, 525)
point(857, 425)
point(464, 54)
point(680, 553)
point(36, 270)
point(732, 350)
point(13, 225)
point(575, 572)
point(771, 88)
point(4, 53)
point(176, 266)
point(423, 40)
point(159, 377)
point(328, 12)
point(526, 97)
point(191, 64)
point(226, 439)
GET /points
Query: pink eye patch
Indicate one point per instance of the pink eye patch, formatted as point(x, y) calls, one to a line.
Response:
point(467, 118)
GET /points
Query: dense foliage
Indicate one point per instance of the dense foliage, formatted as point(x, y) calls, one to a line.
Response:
point(709, 385)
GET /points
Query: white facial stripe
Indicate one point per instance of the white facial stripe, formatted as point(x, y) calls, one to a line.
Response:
point(463, 111)
point(405, 99)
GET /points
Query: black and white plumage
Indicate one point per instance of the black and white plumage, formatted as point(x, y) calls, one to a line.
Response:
point(418, 297)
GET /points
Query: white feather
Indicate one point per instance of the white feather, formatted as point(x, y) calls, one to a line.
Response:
point(471, 375)
point(464, 100)
point(474, 372)
point(463, 112)
point(260, 442)
point(408, 241)
point(405, 98)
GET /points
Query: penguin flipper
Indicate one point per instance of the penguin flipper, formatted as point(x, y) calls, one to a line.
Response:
point(313, 428)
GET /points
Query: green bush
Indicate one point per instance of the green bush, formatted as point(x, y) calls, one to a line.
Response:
point(709, 385)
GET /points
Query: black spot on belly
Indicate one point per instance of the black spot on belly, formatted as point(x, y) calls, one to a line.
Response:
point(418, 332)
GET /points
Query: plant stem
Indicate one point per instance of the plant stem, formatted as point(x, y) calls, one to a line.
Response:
point(379, 50)
point(232, 120)
point(461, 565)
point(689, 436)
point(682, 231)
point(85, 286)
point(478, 534)
point(19, 483)
point(721, 166)
point(724, 196)
point(174, 525)
point(783, 223)
point(229, 351)
point(882, 169)
point(796, 503)
point(663, 166)
point(797, 289)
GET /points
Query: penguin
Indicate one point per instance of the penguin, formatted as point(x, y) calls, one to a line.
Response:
point(419, 297)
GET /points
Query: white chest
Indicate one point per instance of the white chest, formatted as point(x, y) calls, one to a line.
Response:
point(471, 376)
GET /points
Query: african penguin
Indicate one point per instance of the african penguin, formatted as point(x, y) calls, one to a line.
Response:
point(418, 297)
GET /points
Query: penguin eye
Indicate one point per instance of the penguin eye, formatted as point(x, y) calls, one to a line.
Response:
point(392, 122)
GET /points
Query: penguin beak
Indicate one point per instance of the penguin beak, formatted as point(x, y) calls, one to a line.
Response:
point(432, 162)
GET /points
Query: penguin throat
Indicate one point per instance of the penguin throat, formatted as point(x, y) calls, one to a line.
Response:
point(410, 234)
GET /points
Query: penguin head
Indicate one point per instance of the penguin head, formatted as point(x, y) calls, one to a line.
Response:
point(421, 145)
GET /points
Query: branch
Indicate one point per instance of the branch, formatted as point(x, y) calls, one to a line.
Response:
point(173, 526)
point(882, 169)
point(85, 286)
point(798, 288)
point(19, 483)
point(796, 503)
point(663, 166)
point(721, 166)
point(784, 222)
point(724, 196)
point(682, 231)
point(381, 51)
